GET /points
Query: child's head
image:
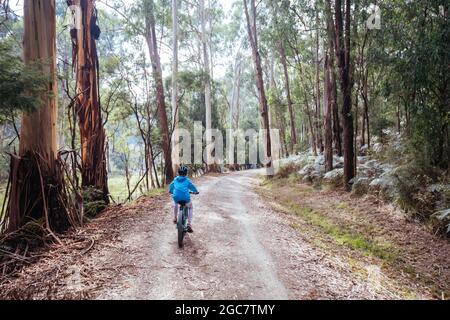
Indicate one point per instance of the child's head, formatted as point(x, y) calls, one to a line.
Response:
point(183, 171)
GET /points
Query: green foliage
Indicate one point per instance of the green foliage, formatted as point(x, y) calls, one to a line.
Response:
point(379, 125)
point(21, 87)
point(93, 202)
point(411, 53)
point(411, 183)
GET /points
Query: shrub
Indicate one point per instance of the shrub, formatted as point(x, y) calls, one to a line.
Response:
point(93, 202)
point(286, 170)
point(411, 182)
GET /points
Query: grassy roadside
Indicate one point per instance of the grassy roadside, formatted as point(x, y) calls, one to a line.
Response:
point(337, 224)
point(283, 192)
point(117, 185)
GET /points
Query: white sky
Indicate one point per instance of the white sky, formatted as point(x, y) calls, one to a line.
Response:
point(224, 57)
point(17, 5)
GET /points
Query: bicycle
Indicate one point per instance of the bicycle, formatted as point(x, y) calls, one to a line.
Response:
point(182, 221)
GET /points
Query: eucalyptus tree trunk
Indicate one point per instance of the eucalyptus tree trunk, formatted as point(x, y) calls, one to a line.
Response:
point(277, 112)
point(332, 97)
point(150, 34)
point(328, 151)
point(235, 95)
point(343, 56)
point(36, 179)
point(317, 87)
point(365, 96)
point(207, 81)
point(313, 139)
point(287, 87)
point(175, 110)
point(88, 109)
point(253, 37)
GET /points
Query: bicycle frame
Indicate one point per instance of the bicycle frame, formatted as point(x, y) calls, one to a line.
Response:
point(182, 224)
point(185, 215)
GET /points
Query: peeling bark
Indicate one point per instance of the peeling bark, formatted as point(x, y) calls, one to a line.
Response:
point(88, 109)
point(36, 176)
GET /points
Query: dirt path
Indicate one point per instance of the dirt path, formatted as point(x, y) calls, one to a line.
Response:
point(241, 249)
point(224, 258)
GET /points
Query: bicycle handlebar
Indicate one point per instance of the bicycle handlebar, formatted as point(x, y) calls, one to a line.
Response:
point(189, 192)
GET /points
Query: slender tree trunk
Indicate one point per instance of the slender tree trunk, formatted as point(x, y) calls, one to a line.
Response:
point(366, 114)
point(277, 112)
point(352, 80)
point(36, 178)
point(92, 133)
point(360, 90)
point(365, 96)
point(205, 47)
point(253, 37)
point(207, 83)
point(235, 96)
point(343, 57)
point(175, 111)
point(337, 129)
point(328, 112)
point(318, 115)
point(289, 99)
point(311, 128)
point(210, 45)
point(157, 76)
point(333, 87)
point(153, 164)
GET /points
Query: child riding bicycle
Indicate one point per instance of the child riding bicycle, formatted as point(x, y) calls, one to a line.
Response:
point(180, 189)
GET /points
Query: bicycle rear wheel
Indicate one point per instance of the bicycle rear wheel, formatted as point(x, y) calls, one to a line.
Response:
point(180, 227)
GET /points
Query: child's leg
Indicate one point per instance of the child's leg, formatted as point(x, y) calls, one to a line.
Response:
point(175, 210)
point(191, 212)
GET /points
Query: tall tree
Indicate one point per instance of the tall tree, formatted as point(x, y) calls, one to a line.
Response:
point(332, 96)
point(343, 56)
point(287, 87)
point(92, 132)
point(328, 151)
point(207, 80)
point(276, 111)
point(281, 38)
point(236, 91)
point(175, 111)
point(36, 178)
point(253, 39)
point(149, 11)
point(317, 85)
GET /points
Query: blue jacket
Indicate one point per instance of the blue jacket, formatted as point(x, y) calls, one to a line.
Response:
point(180, 188)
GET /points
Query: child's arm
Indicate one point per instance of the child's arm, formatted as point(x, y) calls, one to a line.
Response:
point(192, 188)
point(171, 187)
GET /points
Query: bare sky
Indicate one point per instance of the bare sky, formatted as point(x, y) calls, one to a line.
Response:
point(219, 69)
